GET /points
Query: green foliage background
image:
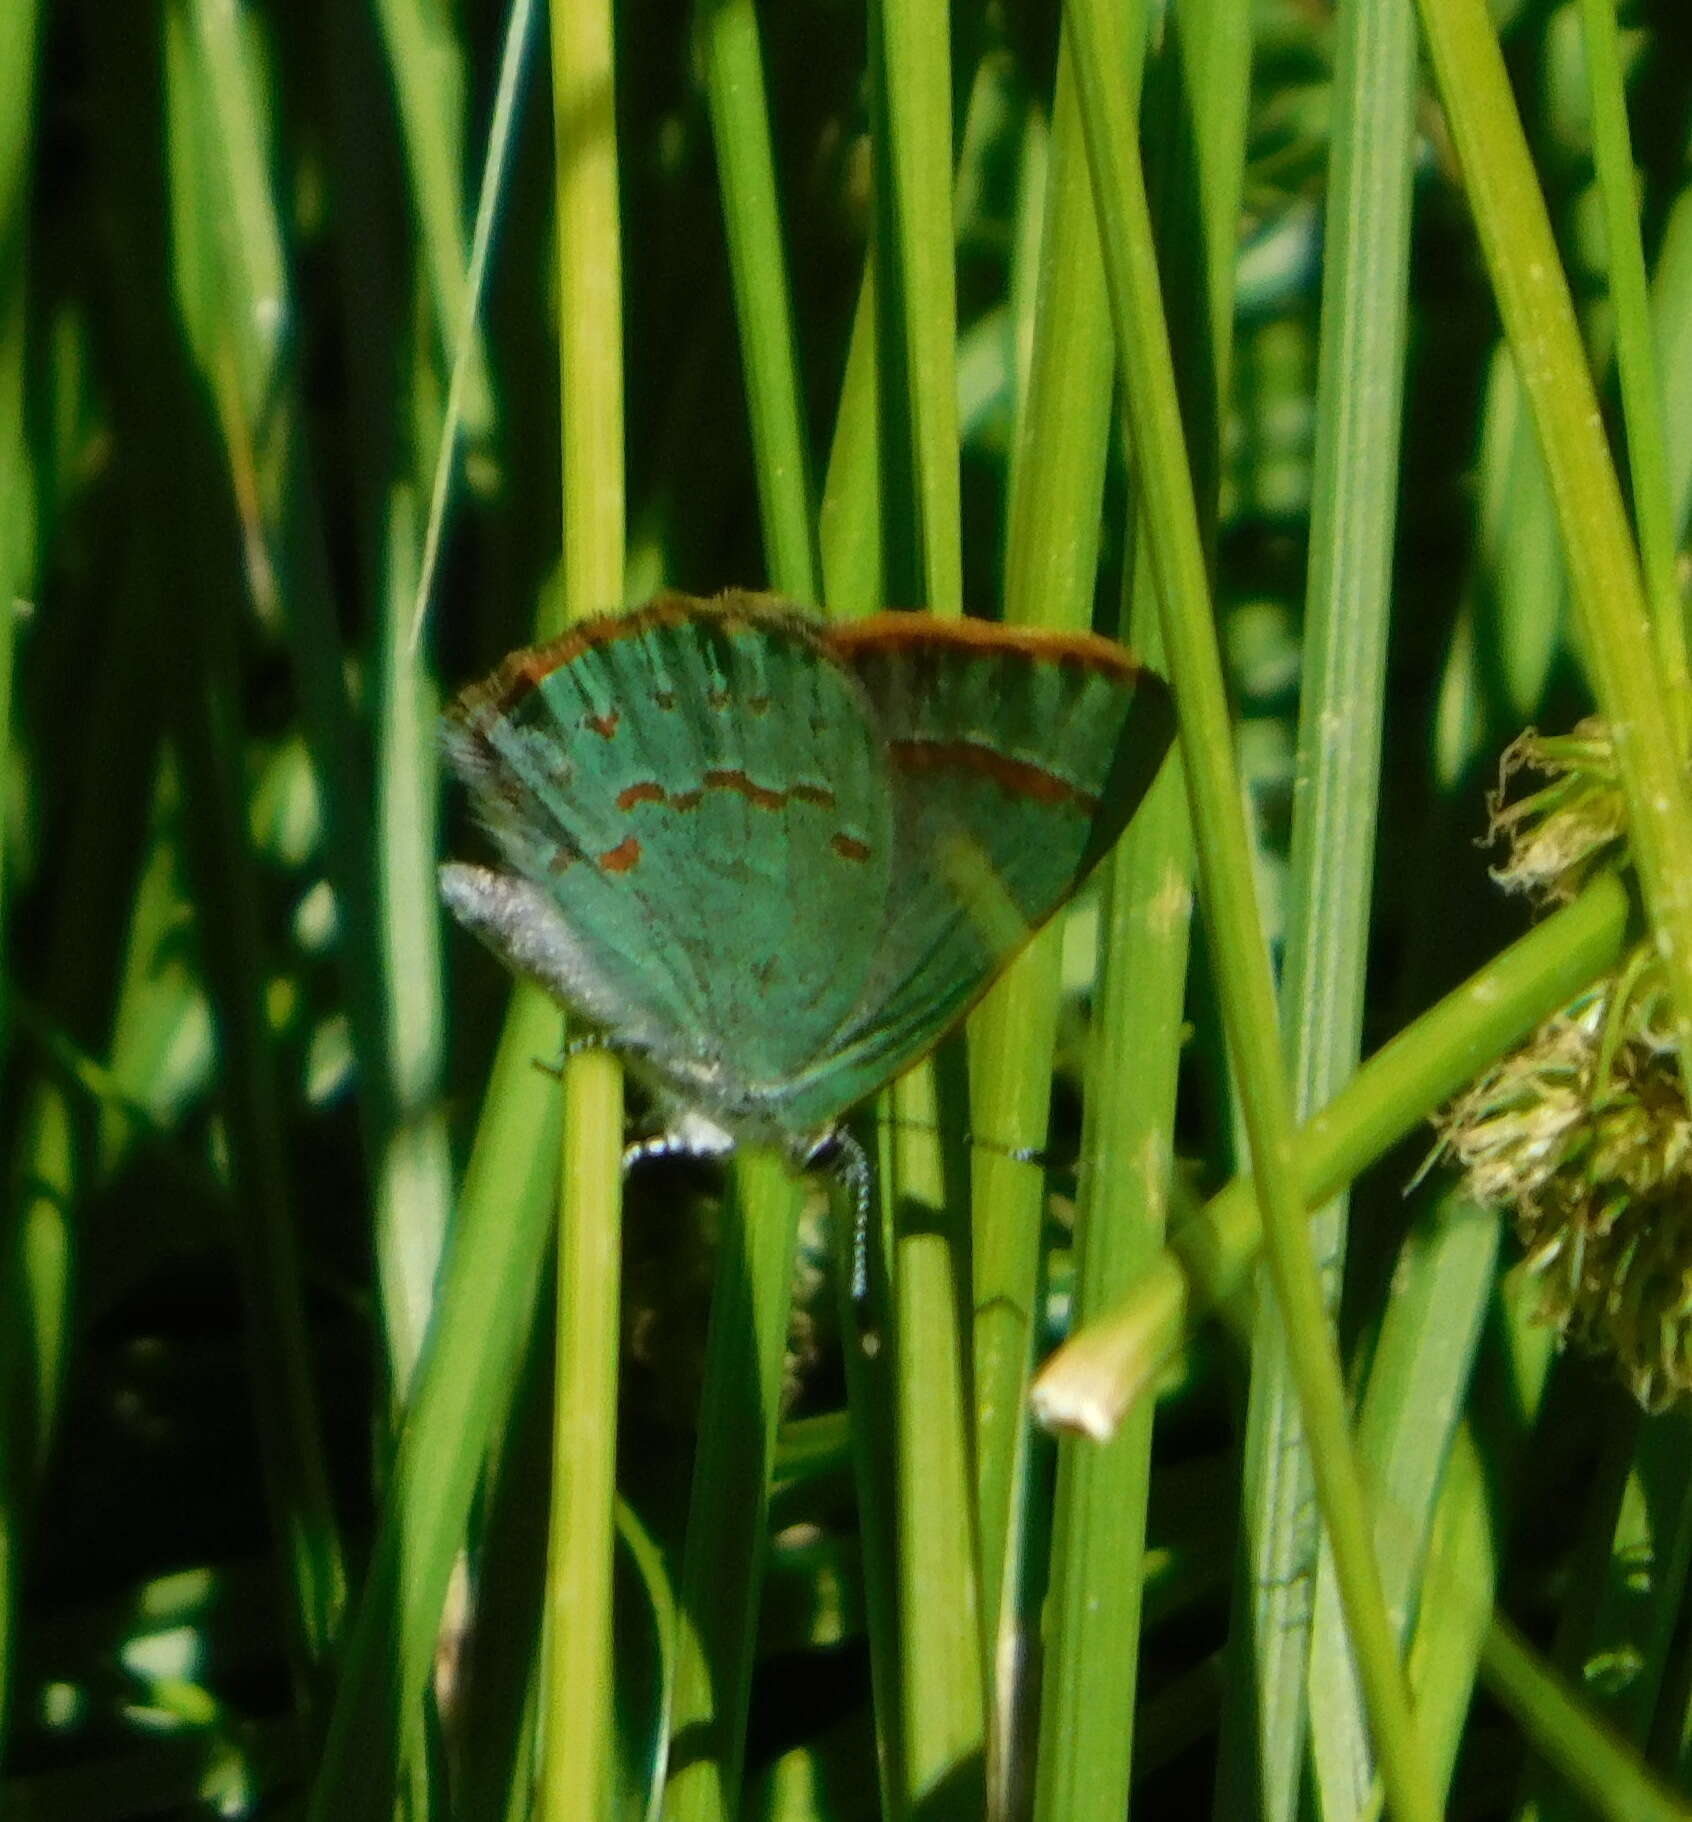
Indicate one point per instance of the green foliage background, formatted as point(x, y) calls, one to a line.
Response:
point(295, 1455)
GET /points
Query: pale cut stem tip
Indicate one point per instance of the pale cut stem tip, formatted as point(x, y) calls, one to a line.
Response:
point(1092, 1382)
point(1080, 1396)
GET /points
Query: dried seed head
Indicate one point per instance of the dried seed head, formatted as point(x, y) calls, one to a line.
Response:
point(1559, 833)
point(1584, 1136)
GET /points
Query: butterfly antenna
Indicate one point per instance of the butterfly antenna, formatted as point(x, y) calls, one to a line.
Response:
point(844, 1159)
point(1018, 1154)
point(854, 1167)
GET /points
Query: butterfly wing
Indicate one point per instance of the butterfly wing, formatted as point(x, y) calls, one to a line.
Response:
point(697, 791)
point(1015, 761)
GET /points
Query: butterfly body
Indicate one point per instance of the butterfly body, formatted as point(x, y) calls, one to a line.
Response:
point(773, 860)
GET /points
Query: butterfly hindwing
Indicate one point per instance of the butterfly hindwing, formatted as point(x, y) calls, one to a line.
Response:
point(1015, 760)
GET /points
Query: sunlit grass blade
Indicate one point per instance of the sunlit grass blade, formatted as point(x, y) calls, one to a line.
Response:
point(426, 61)
point(490, 1277)
point(1615, 1783)
point(734, 79)
point(1051, 557)
point(943, 1726)
point(576, 1718)
point(1090, 1382)
point(1608, 593)
point(1635, 355)
point(1153, 426)
point(723, 1560)
point(18, 74)
point(502, 131)
point(1353, 514)
point(1418, 1381)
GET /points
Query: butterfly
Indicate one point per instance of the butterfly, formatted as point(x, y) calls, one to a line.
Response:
point(771, 860)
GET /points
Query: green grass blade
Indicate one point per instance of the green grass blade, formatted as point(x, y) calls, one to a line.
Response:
point(1671, 322)
point(740, 128)
point(1103, 1368)
point(1352, 520)
point(1229, 892)
point(1098, 1567)
point(575, 1709)
point(426, 62)
point(1608, 593)
point(943, 1727)
point(1635, 353)
point(502, 131)
point(414, 1172)
point(17, 481)
point(1051, 556)
point(942, 1723)
point(1196, 92)
point(724, 1555)
point(489, 1281)
point(1418, 1381)
point(727, 1519)
point(915, 288)
point(849, 527)
point(18, 30)
point(1606, 1775)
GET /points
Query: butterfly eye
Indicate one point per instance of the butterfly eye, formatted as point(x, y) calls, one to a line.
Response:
point(825, 1151)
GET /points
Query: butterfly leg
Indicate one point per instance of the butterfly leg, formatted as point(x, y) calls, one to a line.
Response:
point(589, 1040)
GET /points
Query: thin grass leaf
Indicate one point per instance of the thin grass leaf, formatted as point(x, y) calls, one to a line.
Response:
point(1608, 1777)
point(1051, 557)
point(502, 131)
point(1154, 428)
point(1603, 567)
point(1635, 354)
point(1353, 514)
point(1417, 1385)
point(18, 32)
point(1091, 1381)
point(734, 87)
point(942, 1721)
point(575, 1709)
point(490, 1278)
point(426, 61)
point(723, 1560)
point(414, 1175)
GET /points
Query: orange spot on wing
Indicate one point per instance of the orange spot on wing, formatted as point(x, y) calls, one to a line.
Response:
point(603, 725)
point(848, 847)
point(818, 795)
point(730, 615)
point(1015, 777)
point(854, 639)
point(687, 800)
point(759, 796)
point(622, 858)
point(648, 790)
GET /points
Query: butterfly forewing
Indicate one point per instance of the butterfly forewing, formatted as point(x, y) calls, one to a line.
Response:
point(698, 788)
